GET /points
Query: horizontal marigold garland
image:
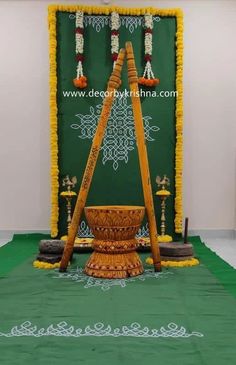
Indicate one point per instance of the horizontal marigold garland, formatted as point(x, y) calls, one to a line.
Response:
point(45, 265)
point(52, 10)
point(185, 263)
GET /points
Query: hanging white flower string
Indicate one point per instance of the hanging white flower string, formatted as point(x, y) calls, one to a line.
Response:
point(115, 25)
point(80, 81)
point(148, 78)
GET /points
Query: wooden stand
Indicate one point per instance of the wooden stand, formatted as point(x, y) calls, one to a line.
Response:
point(113, 84)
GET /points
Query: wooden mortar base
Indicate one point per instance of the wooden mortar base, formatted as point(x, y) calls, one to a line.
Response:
point(115, 266)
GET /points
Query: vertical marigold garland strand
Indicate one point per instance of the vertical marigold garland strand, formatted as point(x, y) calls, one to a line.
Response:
point(80, 81)
point(179, 124)
point(53, 121)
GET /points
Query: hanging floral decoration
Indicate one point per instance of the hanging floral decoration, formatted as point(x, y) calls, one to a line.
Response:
point(80, 81)
point(115, 25)
point(148, 78)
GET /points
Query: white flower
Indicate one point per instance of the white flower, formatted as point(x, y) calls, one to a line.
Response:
point(148, 43)
point(148, 71)
point(79, 43)
point(115, 25)
point(115, 21)
point(79, 19)
point(148, 21)
point(114, 44)
point(79, 70)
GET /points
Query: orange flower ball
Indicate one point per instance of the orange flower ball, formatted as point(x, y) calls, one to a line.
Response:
point(141, 80)
point(76, 82)
point(81, 83)
point(149, 82)
point(156, 82)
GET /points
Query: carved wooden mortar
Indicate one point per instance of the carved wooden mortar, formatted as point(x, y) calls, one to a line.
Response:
point(114, 229)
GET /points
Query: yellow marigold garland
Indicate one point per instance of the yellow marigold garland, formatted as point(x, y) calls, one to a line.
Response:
point(53, 120)
point(185, 263)
point(52, 10)
point(45, 265)
point(179, 124)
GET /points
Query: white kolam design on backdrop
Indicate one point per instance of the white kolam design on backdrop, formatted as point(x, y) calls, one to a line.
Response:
point(98, 22)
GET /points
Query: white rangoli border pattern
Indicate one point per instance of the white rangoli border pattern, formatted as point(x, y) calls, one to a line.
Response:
point(78, 276)
point(119, 138)
point(63, 329)
point(85, 231)
point(143, 231)
point(98, 22)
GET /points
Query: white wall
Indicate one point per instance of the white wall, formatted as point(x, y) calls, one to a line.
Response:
point(210, 106)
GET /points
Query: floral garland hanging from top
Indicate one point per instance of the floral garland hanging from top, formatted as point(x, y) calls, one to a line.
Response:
point(115, 25)
point(148, 78)
point(80, 81)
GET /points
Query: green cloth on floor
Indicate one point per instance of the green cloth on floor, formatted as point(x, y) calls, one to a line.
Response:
point(193, 312)
point(225, 273)
point(18, 250)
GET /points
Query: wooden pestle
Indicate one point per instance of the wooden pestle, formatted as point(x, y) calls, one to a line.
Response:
point(113, 84)
point(143, 158)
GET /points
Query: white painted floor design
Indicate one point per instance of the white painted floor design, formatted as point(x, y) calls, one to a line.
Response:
point(225, 248)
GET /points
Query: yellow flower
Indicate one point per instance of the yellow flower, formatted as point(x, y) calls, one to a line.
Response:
point(45, 265)
point(163, 192)
point(149, 261)
point(68, 193)
point(185, 263)
point(165, 239)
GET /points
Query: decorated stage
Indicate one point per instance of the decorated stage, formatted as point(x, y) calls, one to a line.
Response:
point(174, 316)
point(179, 316)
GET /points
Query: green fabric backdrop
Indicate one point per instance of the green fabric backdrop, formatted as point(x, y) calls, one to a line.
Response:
point(123, 184)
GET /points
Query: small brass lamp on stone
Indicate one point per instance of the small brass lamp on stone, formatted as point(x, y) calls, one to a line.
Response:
point(68, 194)
point(50, 250)
point(163, 194)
